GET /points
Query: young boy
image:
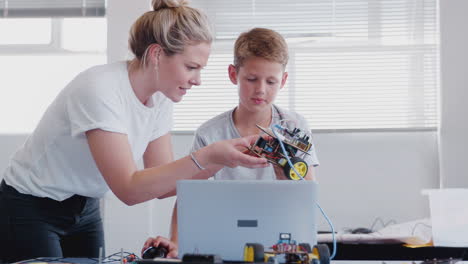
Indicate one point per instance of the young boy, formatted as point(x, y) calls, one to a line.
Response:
point(260, 58)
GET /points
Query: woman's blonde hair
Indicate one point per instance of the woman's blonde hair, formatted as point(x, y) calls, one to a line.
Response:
point(262, 43)
point(172, 25)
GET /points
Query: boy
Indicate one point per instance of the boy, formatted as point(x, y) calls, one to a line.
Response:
point(260, 59)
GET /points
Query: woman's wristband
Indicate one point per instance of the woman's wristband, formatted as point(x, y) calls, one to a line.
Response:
point(196, 161)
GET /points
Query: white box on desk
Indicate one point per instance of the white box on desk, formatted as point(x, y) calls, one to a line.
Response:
point(449, 216)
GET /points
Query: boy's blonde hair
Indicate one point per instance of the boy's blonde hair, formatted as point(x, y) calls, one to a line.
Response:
point(172, 25)
point(262, 43)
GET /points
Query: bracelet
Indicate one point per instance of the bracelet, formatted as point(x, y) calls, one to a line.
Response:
point(196, 162)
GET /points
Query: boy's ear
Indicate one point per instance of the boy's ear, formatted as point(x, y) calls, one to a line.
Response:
point(284, 79)
point(232, 74)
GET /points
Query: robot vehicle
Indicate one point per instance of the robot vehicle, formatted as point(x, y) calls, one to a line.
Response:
point(294, 141)
point(287, 251)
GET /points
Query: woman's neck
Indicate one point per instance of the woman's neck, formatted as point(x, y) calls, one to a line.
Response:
point(246, 121)
point(140, 82)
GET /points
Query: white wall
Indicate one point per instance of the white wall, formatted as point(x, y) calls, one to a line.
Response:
point(8, 145)
point(120, 16)
point(454, 93)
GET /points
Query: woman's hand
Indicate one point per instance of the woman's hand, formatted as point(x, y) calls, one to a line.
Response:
point(159, 241)
point(231, 153)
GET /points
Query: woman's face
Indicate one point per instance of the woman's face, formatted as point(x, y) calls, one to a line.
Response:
point(177, 73)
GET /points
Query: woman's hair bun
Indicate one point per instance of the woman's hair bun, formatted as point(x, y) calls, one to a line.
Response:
point(162, 4)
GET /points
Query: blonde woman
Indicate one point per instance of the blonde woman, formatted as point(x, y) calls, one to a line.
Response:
point(103, 121)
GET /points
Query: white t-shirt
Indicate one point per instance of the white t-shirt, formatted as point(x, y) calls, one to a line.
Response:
point(56, 162)
point(222, 127)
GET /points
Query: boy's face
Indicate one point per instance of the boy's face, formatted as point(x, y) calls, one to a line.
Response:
point(258, 81)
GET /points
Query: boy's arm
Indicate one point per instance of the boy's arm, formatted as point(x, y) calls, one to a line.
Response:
point(173, 236)
point(310, 176)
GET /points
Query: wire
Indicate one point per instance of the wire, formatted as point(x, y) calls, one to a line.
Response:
point(302, 179)
point(377, 220)
point(419, 224)
point(111, 258)
point(332, 231)
point(116, 257)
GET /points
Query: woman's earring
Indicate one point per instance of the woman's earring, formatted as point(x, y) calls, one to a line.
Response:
point(156, 64)
point(156, 69)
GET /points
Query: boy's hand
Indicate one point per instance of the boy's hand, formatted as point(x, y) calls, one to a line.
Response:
point(172, 249)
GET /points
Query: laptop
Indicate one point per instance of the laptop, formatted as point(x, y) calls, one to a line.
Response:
point(220, 217)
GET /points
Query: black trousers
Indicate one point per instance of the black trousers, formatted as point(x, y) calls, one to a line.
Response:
point(32, 227)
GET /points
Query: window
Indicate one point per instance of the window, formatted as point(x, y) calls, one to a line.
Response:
point(52, 8)
point(354, 64)
point(39, 56)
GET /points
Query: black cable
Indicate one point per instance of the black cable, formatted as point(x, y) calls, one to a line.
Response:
point(110, 258)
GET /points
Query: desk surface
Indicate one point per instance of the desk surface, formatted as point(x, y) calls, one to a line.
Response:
point(346, 254)
point(92, 261)
point(396, 252)
point(389, 262)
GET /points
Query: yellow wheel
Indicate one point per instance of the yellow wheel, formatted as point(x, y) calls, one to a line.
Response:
point(300, 165)
point(253, 252)
point(248, 253)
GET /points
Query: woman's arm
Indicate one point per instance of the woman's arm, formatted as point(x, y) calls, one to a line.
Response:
point(113, 156)
point(159, 152)
point(202, 175)
point(174, 235)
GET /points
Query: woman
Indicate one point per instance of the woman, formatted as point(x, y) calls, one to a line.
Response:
point(89, 138)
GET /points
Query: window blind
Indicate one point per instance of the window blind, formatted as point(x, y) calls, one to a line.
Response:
point(354, 64)
point(52, 8)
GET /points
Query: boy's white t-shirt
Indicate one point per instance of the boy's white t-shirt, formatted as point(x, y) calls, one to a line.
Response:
point(56, 162)
point(222, 127)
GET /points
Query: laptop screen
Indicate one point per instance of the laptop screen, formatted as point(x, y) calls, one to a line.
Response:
point(220, 217)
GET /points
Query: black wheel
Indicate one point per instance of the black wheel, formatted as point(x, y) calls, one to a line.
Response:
point(293, 258)
point(299, 164)
point(323, 253)
point(254, 252)
point(272, 260)
point(306, 247)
